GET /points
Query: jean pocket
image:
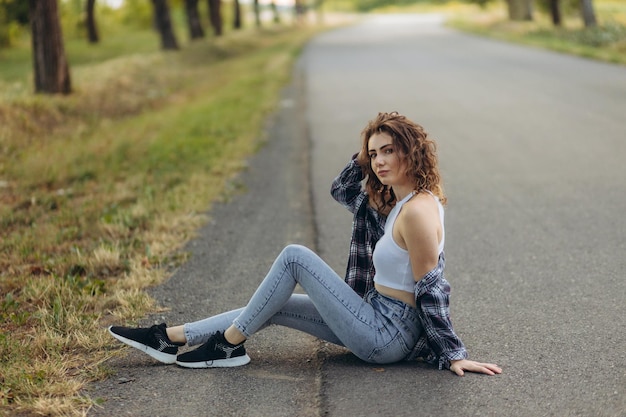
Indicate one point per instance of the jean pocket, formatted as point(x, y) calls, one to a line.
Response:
point(394, 350)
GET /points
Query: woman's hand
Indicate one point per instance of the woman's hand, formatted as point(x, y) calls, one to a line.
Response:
point(460, 366)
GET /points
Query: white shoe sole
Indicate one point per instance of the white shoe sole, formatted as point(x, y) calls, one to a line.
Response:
point(218, 363)
point(158, 355)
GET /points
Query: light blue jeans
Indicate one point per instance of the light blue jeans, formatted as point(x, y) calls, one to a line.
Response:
point(376, 328)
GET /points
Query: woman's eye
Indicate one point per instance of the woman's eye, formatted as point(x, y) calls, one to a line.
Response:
point(388, 150)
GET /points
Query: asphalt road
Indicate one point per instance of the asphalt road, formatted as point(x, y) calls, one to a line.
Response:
point(532, 147)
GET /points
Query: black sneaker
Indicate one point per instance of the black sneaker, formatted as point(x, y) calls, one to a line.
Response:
point(151, 340)
point(215, 353)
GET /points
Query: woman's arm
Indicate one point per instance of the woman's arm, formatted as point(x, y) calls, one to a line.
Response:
point(420, 230)
point(432, 296)
point(346, 187)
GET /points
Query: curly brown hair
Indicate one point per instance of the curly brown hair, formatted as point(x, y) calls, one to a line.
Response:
point(410, 141)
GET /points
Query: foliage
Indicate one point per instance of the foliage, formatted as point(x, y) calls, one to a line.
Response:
point(606, 35)
point(15, 10)
point(136, 13)
point(71, 13)
point(370, 5)
point(13, 15)
point(14, 19)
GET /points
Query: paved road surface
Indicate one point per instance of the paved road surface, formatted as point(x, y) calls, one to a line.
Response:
point(532, 147)
point(533, 150)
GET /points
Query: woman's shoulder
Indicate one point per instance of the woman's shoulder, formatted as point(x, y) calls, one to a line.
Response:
point(422, 201)
point(422, 208)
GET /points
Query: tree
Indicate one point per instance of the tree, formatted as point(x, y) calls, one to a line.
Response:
point(299, 10)
point(555, 12)
point(275, 12)
point(92, 29)
point(237, 23)
point(318, 5)
point(589, 15)
point(52, 73)
point(257, 14)
point(215, 16)
point(163, 23)
point(193, 19)
point(520, 9)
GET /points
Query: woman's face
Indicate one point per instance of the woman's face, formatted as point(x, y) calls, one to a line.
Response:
point(385, 160)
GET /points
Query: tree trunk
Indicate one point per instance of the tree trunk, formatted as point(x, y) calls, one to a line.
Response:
point(215, 16)
point(555, 12)
point(52, 73)
point(275, 12)
point(92, 28)
point(520, 9)
point(163, 23)
point(589, 15)
point(319, 9)
point(299, 10)
point(237, 14)
point(257, 14)
point(193, 19)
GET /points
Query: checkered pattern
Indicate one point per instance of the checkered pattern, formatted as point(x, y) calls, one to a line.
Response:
point(367, 227)
point(439, 343)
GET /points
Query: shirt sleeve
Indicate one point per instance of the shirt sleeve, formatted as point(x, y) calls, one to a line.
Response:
point(432, 294)
point(346, 187)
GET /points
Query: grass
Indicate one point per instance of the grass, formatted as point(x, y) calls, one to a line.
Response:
point(100, 189)
point(606, 42)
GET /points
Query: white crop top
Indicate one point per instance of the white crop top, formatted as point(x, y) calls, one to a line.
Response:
point(392, 263)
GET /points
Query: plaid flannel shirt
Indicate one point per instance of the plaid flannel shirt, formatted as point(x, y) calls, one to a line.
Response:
point(367, 227)
point(438, 343)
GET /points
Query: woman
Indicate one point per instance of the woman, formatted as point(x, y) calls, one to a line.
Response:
point(405, 315)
